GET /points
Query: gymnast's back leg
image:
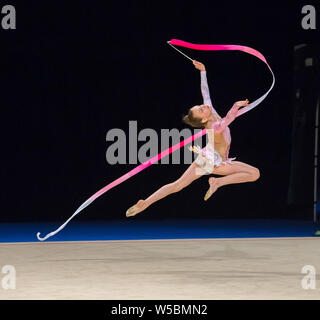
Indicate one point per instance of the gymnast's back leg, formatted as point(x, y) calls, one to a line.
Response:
point(191, 174)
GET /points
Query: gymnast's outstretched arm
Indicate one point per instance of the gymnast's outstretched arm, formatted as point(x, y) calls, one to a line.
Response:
point(219, 126)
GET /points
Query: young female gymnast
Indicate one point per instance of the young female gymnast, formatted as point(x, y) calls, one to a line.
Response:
point(217, 149)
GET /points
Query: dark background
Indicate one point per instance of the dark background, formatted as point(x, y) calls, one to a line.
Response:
point(71, 71)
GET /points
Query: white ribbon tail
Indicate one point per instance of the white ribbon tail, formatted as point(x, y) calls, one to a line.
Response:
point(84, 205)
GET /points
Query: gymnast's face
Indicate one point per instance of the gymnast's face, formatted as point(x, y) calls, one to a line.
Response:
point(202, 112)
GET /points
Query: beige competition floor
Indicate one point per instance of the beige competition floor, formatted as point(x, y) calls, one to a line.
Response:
point(162, 269)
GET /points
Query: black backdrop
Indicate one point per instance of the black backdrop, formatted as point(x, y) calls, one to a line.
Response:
point(71, 71)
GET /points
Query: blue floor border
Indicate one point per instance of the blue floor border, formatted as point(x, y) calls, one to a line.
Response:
point(130, 229)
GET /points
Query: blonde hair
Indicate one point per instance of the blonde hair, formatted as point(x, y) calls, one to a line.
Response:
point(195, 122)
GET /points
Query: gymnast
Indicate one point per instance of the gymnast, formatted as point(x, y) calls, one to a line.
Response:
point(205, 116)
point(213, 159)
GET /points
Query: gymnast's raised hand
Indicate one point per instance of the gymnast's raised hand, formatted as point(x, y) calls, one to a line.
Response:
point(200, 66)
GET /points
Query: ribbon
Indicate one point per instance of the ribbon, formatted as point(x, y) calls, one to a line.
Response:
point(177, 146)
point(215, 47)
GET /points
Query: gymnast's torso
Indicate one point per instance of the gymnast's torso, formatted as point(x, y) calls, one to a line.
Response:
point(222, 142)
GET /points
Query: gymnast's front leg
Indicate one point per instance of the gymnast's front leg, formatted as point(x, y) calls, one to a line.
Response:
point(191, 174)
point(237, 172)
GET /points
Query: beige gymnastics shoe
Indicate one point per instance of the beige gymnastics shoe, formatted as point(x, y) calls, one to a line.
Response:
point(132, 211)
point(213, 188)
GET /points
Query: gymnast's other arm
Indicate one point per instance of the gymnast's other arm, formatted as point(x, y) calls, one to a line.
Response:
point(219, 126)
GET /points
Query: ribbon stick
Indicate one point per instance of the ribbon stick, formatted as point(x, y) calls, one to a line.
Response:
point(179, 51)
point(177, 146)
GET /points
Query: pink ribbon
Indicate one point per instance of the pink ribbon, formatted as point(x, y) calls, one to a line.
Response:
point(218, 47)
point(177, 146)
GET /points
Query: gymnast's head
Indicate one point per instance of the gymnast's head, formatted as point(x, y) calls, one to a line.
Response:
point(199, 116)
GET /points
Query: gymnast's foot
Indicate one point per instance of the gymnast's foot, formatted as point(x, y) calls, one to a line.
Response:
point(214, 185)
point(138, 207)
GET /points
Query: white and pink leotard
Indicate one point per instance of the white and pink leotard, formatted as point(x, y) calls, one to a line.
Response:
point(212, 157)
